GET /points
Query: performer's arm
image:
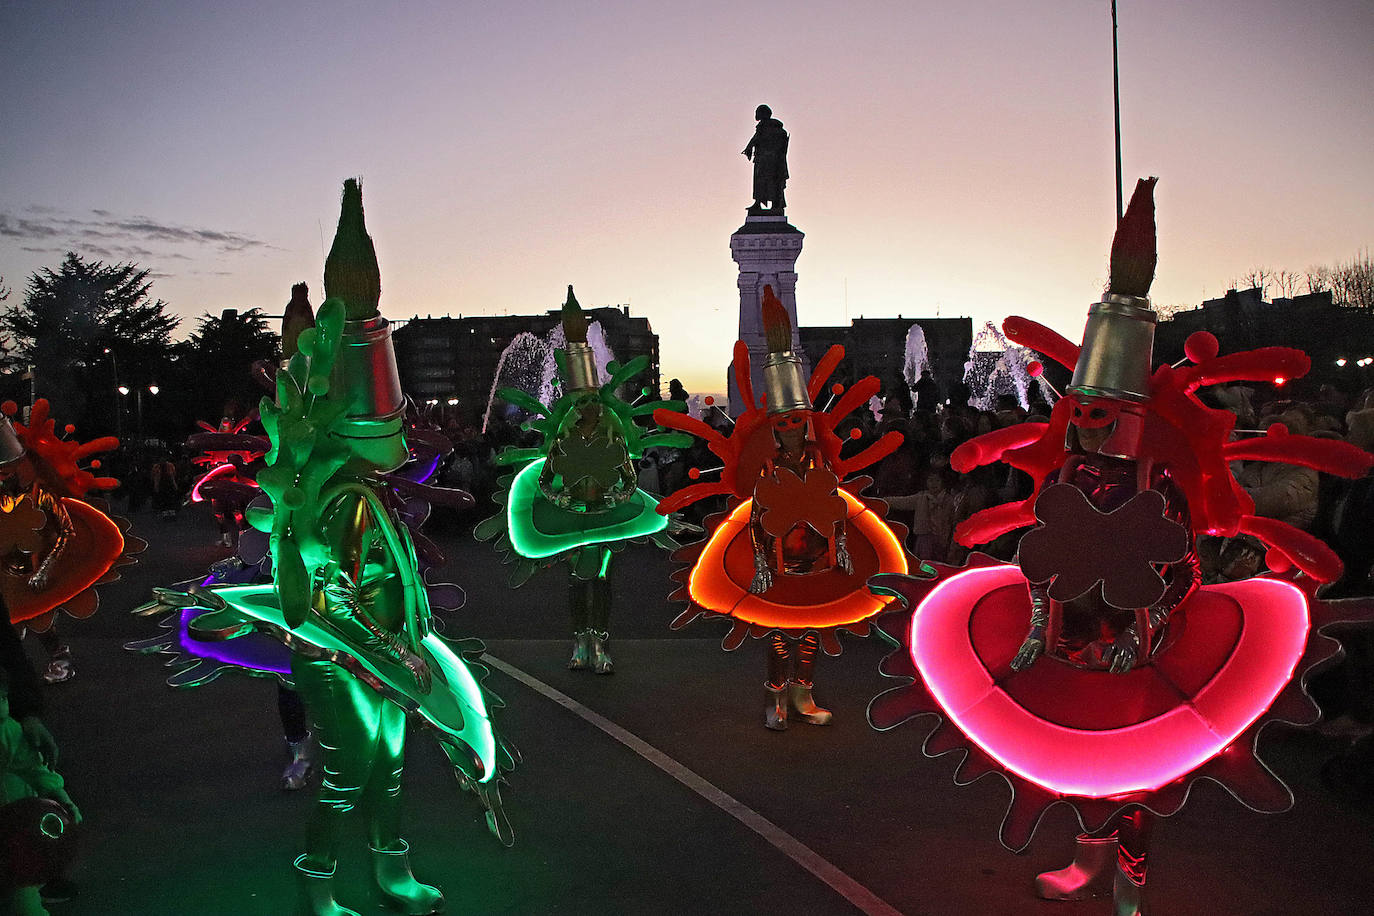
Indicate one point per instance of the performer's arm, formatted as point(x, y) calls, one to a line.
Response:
point(352, 563)
point(763, 573)
point(39, 580)
point(1034, 644)
point(1183, 577)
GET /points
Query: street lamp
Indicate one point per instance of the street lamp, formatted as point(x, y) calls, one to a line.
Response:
point(119, 412)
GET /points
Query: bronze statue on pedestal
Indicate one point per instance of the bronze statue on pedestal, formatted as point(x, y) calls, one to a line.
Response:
point(768, 151)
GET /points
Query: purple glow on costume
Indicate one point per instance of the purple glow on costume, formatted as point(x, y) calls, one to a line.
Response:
point(258, 653)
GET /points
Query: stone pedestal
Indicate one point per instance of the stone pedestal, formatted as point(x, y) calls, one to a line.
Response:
point(766, 249)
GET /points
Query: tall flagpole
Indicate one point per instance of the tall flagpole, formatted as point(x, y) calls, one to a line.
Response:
point(1116, 103)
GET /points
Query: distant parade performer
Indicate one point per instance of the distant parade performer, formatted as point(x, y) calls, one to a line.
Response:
point(576, 496)
point(58, 538)
point(347, 596)
point(1096, 671)
point(788, 559)
point(229, 456)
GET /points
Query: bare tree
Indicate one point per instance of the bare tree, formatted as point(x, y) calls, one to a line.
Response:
point(1165, 312)
point(1255, 278)
point(1352, 282)
point(1285, 283)
point(1318, 279)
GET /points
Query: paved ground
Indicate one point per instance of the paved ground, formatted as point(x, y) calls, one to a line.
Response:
point(184, 817)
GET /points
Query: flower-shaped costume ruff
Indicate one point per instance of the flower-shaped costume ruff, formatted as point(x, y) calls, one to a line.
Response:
point(575, 496)
point(1149, 682)
point(58, 539)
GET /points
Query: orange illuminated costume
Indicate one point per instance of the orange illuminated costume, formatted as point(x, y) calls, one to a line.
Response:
point(57, 539)
point(789, 557)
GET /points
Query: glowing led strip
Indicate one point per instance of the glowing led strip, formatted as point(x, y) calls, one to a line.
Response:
point(534, 544)
point(711, 587)
point(1104, 763)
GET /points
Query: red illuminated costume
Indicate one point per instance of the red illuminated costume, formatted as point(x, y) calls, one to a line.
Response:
point(1130, 469)
point(57, 539)
point(789, 557)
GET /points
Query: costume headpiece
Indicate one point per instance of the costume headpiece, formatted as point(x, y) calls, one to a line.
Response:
point(365, 375)
point(297, 317)
point(784, 382)
point(11, 449)
point(1118, 341)
point(581, 361)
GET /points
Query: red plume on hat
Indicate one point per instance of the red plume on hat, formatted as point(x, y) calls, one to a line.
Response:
point(1118, 341)
point(784, 382)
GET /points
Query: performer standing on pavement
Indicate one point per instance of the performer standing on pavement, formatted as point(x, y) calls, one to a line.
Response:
point(789, 558)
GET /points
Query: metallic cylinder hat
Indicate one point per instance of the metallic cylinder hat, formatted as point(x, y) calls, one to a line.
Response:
point(365, 375)
point(579, 359)
point(784, 382)
point(1118, 350)
point(11, 449)
point(1117, 356)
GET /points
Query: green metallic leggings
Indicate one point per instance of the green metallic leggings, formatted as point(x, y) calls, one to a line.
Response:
point(362, 740)
point(589, 589)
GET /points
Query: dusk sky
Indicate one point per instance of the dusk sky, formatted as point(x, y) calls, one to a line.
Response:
point(950, 156)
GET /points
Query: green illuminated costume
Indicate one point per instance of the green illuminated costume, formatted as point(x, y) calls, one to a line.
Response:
point(348, 599)
point(576, 496)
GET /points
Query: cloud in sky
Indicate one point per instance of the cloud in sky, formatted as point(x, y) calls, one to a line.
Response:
point(107, 234)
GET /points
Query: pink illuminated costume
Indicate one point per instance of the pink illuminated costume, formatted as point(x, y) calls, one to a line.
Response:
point(1130, 469)
point(230, 458)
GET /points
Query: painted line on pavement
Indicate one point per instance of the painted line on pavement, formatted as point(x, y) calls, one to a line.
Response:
point(784, 842)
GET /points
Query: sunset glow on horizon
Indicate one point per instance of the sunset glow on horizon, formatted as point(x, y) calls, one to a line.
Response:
point(944, 157)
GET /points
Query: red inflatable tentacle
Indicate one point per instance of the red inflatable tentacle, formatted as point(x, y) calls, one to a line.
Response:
point(206, 426)
point(1327, 455)
point(743, 382)
point(990, 524)
point(876, 452)
point(990, 447)
point(103, 444)
point(858, 394)
point(1263, 365)
point(1027, 333)
point(680, 421)
point(1306, 552)
point(688, 495)
point(823, 371)
point(38, 413)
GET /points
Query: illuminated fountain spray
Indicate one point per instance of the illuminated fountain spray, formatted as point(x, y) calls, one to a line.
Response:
point(996, 367)
point(917, 356)
point(527, 363)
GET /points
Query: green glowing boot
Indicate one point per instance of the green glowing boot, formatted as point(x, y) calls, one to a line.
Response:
point(391, 866)
point(581, 658)
point(600, 656)
point(317, 889)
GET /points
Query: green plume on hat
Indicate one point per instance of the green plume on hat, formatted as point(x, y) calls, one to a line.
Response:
point(350, 271)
